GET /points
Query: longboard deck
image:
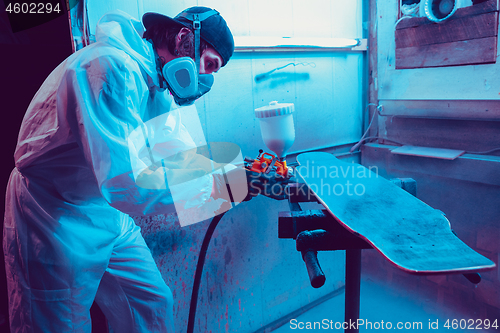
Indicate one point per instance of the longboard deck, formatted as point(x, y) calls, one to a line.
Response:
point(410, 234)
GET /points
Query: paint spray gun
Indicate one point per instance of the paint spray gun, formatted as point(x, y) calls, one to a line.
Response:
point(278, 134)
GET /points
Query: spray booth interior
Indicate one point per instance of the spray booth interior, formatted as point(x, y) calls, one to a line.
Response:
point(377, 83)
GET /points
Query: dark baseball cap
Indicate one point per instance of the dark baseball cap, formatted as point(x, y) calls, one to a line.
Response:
point(214, 29)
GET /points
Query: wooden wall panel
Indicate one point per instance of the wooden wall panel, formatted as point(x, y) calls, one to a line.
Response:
point(484, 7)
point(468, 37)
point(467, 52)
point(472, 27)
point(444, 109)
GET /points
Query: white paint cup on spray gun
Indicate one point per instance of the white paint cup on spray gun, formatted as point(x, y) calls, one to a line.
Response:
point(276, 126)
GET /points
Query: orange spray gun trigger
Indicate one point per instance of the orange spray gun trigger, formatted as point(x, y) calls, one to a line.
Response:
point(265, 163)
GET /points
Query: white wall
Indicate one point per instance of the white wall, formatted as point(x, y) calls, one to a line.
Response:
point(327, 99)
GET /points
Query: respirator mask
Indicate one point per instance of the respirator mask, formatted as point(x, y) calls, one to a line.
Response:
point(182, 74)
point(184, 82)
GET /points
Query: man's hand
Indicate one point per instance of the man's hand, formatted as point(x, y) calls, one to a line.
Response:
point(230, 184)
point(270, 185)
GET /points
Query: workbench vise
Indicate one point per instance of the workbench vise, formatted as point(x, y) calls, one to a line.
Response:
point(313, 231)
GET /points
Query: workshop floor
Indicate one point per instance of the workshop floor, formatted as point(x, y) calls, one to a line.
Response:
point(379, 305)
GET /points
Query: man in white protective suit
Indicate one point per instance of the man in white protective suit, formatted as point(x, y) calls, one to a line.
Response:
point(68, 236)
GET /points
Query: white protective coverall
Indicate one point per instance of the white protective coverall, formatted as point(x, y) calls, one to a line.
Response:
point(67, 235)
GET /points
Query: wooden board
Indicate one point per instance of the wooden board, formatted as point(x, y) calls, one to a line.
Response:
point(447, 154)
point(468, 37)
point(484, 7)
point(409, 233)
point(467, 52)
point(468, 109)
point(465, 28)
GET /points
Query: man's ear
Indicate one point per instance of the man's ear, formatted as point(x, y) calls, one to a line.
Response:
point(183, 32)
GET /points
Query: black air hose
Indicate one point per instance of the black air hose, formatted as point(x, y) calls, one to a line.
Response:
point(199, 271)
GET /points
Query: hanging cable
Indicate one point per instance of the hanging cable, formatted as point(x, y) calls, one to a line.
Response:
point(379, 138)
point(483, 152)
point(369, 126)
